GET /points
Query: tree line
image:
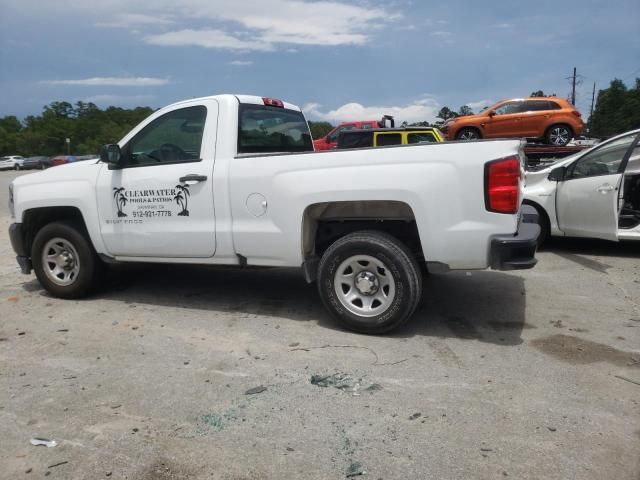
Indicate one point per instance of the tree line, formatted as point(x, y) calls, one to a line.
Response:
point(84, 124)
point(88, 127)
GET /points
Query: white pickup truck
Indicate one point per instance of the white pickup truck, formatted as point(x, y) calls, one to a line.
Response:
point(233, 180)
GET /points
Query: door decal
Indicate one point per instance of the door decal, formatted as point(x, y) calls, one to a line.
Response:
point(182, 199)
point(147, 204)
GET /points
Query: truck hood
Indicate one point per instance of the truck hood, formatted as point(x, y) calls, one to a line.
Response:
point(83, 170)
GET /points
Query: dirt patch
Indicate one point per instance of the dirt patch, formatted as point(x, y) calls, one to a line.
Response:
point(165, 470)
point(578, 351)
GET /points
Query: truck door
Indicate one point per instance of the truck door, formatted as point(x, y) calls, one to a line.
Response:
point(159, 201)
point(587, 200)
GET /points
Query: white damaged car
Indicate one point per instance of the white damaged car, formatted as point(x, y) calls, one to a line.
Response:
point(594, 194)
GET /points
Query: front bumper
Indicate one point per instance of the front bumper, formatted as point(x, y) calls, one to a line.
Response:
point(16, 235)
point(517, 252)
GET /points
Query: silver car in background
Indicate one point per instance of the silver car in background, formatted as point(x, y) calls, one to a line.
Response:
point(593, 194)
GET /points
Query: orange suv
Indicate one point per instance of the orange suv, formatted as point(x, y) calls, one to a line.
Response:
point(550, 118)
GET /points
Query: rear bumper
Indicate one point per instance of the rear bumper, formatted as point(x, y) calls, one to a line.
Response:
point(16, 235)
point(517, 252)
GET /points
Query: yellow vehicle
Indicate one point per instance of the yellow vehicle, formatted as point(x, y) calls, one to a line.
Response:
point(383, 137)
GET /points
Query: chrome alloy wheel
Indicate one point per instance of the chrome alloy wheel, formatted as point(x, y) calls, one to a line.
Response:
point(364, 285)
point(60, 261)
point(559, 136)
point(469, 135)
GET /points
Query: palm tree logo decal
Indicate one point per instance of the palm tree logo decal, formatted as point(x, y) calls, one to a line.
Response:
point(120, 199)
point(182, 199)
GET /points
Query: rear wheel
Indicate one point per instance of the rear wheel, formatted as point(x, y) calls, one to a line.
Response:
point(370, 282)
point(559, 135)
point(16, 167)
point(64, 260)
point(468, 134)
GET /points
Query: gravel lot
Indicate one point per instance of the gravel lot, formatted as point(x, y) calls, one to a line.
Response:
point(499, 375)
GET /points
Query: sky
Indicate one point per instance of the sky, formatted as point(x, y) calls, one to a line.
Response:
point(339, 60)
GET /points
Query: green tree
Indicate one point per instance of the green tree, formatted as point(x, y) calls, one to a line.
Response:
point(446, 113)
point(537, 93)
point(465, 110)
point(617, 110)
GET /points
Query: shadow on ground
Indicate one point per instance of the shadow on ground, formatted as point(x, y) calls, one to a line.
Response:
point(483, 306)
point(588, 246)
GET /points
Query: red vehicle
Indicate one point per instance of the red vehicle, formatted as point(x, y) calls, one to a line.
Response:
point(330, 141)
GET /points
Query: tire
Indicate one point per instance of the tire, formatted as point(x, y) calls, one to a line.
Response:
point(16, 167)
point(77, 265)
point(468, 133)
point(558, 135)
point(390, 284)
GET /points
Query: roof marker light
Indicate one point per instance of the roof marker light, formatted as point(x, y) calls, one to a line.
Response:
point(273, 102)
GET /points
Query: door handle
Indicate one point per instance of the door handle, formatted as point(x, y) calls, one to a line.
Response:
point(603, 189)
point(193, 179)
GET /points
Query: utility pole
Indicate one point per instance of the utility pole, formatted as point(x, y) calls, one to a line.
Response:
point(573, 88)
point(593, 99)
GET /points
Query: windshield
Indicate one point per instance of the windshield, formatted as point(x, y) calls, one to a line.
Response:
point(265, 129)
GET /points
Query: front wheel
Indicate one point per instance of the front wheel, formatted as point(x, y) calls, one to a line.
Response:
point(559, 135)
point(468, 134)
point(370, 282)
point(64, 260)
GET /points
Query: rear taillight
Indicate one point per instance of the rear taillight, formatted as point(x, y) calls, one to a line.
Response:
point(576, 113)
point(272, 102)
point(502, 185)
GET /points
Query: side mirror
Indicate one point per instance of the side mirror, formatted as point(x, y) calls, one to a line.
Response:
point(327, 139)
point(111, 154)
point(492, 113)
point(557, 174)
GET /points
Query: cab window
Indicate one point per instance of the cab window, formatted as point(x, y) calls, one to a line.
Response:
point(509, 107)
point(266, 129)
point(605, 160)
point(333, 137)
point(422, 137)
point(386, 139)
point(535, 106)
point(175, 137)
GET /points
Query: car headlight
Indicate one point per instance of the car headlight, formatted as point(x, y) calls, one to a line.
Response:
point(12, 210)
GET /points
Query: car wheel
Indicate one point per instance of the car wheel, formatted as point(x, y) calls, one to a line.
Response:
point(42, 166)
point(370, 282)
point(16, 167)
point(64, 260)
point(559, 135)
point(468, 134)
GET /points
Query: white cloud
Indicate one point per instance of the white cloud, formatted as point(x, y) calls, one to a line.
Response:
point(126, 20)
point(418, 111)
point(480, 104)
point(263, 24)
point(241, 63)
point(118, 99)
point(440, 34)
point(208, 39)
point(112, 82)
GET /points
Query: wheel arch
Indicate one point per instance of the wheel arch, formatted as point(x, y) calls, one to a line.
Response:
point(34, 219)
point(325, 222)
